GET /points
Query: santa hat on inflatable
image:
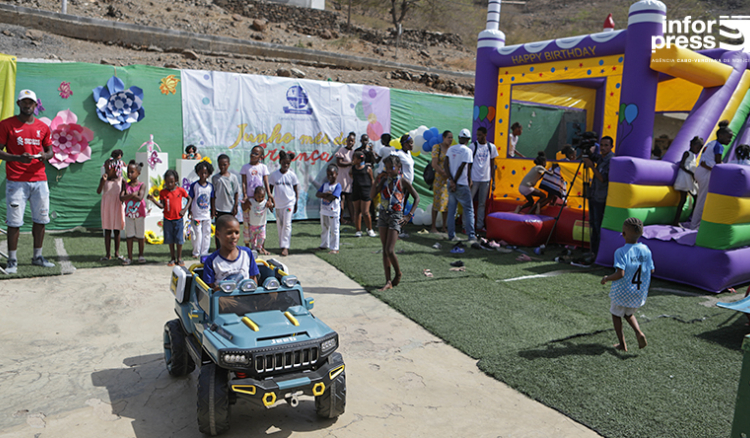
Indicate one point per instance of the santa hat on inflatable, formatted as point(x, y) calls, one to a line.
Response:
point(609, 24)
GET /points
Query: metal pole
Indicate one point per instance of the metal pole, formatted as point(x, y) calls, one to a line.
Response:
point(64, 6)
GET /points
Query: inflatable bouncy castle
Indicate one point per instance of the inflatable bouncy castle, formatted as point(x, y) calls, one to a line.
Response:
point(614, 83)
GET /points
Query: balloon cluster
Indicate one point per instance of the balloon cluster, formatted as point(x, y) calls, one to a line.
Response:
point(424, 139)
point(424, 217)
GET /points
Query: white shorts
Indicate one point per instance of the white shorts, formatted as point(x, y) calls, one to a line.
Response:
point(526, 190)
point(16, 195)
point(621, 311)
point(135, 227)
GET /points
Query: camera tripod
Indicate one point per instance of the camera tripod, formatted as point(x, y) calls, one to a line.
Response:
point(584, 193)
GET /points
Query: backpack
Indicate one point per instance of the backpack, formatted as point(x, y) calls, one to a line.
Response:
point(429, 175)
point(476, 148)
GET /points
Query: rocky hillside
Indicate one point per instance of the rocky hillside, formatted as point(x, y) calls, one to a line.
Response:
point(438, 34)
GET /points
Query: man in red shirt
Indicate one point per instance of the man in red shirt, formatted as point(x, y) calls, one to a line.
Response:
point(25, 144)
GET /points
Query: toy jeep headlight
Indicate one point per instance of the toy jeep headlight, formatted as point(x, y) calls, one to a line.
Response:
point(247, 285)
point(271, 284)
point(228, 286)
point(289, 280)
point(239, 359)
point(328, 345)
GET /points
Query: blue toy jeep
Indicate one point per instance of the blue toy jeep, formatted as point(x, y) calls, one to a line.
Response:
point(254, 341)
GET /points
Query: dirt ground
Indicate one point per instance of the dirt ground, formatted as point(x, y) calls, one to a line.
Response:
point(83, 358)
point(203, 16)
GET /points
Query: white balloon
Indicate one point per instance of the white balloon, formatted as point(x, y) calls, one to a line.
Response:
point(421, 130)
point(427, 217)
point(417, 219)
point(419, 216)
point(418, 142)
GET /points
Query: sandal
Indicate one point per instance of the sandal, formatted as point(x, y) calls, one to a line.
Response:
point(170, 263)
point(180, 262)
point(427, 273)
point(126, 261)
point(104, 259)
point(141, 259)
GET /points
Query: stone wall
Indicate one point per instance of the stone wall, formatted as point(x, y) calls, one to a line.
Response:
point(332, 24)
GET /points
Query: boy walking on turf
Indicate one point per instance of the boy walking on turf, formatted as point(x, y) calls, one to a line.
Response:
point(630, 282)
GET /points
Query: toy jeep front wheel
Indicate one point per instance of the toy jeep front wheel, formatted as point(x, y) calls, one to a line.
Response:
point(176, 355)
point(213, 400)
point(332, 402)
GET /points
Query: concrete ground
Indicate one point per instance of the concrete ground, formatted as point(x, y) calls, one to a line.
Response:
point(82, 357)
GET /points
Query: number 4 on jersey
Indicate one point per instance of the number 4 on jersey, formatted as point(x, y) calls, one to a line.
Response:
point(636, 280)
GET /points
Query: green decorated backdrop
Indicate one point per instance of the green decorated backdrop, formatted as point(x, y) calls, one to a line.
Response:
point(410, 109)
point(73, 198)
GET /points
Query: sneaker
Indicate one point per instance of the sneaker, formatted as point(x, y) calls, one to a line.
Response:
point(41, 261)
point(403, 236)
point(12, 266)
point(358, 234)
point(454, 239)
point(371, 233)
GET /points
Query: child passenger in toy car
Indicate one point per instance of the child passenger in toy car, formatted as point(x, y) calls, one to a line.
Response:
point(229, 262)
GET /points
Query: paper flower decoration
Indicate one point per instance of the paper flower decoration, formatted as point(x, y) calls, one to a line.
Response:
point(117, 106)
point(39, 107)
point(70, 141)
point(157, 185)
point(153, 239)
point(64, 89)
point(169, 85)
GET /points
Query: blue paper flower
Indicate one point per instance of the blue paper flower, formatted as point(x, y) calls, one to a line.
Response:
point(117, 106)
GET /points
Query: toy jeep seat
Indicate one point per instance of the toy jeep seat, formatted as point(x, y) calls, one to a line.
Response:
point(268, 269)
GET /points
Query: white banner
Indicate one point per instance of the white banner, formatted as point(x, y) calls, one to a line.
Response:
point(228, 113)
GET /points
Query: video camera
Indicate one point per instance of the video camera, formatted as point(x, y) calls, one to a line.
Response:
point(587, 144)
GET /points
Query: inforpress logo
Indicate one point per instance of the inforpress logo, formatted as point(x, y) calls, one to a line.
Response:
point(734, 33)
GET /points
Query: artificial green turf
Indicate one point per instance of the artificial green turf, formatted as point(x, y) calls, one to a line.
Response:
point(549, 338)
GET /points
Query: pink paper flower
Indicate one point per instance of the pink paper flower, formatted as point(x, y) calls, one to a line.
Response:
point(70, 141)
point(64, 89)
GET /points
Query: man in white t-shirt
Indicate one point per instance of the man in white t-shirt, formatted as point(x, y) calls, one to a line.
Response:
point(458, 165)
point(482, 172)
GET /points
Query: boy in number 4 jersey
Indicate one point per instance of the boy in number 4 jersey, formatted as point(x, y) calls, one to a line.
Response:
point(630, 282)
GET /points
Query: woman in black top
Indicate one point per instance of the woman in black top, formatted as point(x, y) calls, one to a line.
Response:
point(362, 179)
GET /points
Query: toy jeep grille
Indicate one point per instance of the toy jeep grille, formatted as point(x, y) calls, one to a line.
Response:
point(292, 359)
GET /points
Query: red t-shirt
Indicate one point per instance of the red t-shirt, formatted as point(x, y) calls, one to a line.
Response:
point(19, 137)
point(172, 201)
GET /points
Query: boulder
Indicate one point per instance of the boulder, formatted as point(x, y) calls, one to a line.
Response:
point(34, 34)
point(189, 54)
point(259, 25)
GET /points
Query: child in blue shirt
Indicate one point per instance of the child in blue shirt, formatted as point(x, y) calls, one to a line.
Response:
point(630, 282)
point(229, 261)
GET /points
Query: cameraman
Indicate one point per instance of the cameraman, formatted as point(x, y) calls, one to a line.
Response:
point(598, 193)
